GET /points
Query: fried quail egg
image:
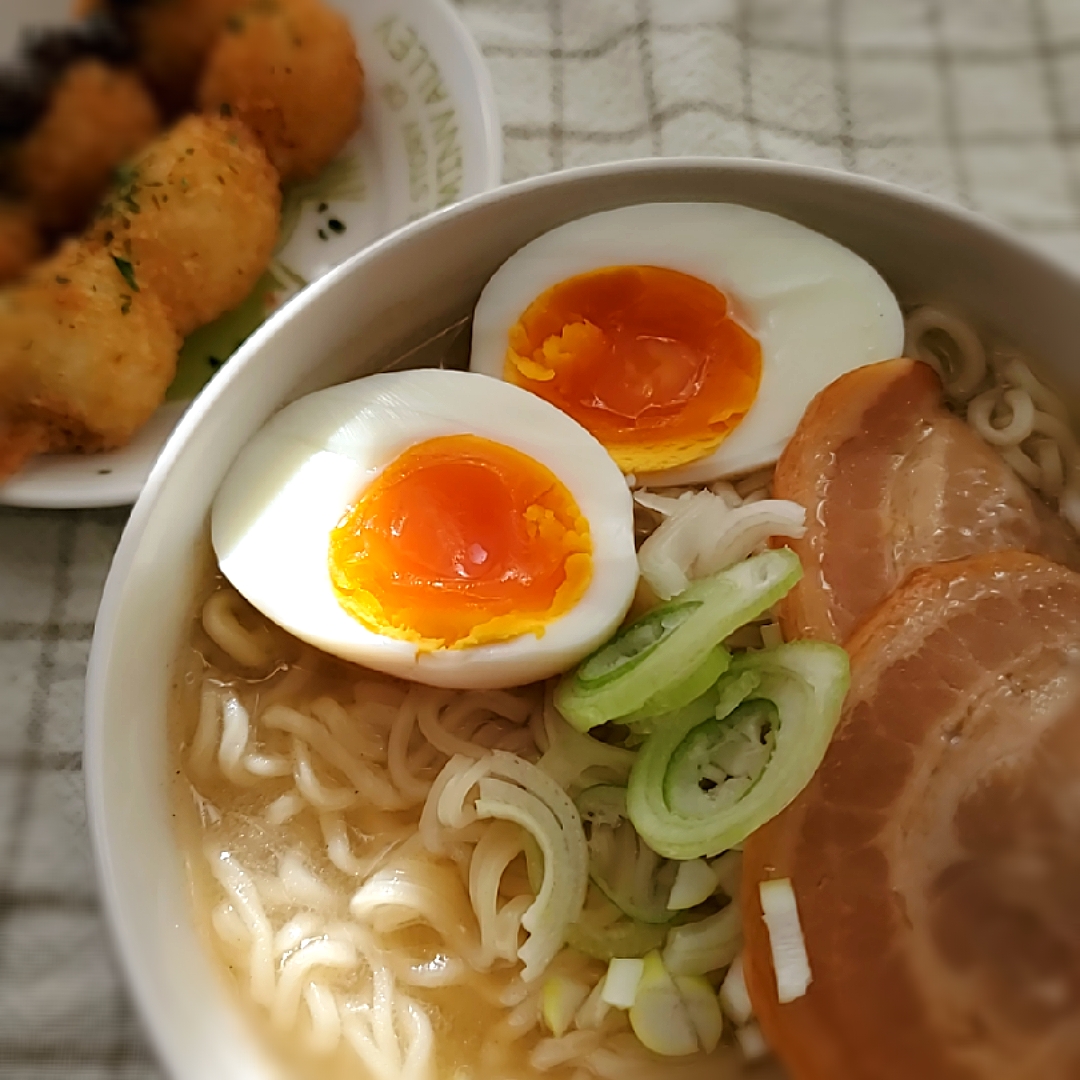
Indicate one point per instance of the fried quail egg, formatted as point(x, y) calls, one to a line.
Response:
point(436, 525)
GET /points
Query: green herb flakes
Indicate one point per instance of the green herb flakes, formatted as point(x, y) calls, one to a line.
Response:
point(127, 271)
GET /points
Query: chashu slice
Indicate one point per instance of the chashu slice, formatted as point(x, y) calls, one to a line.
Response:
point(891, 480)
point(935, 856)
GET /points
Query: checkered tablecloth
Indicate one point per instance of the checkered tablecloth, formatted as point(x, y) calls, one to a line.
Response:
point(977, 101)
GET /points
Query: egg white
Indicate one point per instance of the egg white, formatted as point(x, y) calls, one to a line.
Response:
point(272, 517)
point(817, 309)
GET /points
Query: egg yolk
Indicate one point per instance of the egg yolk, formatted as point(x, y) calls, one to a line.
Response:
point(461, 541)
point(647, 359)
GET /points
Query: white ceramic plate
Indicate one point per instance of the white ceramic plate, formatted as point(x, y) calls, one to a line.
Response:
point(430, 136)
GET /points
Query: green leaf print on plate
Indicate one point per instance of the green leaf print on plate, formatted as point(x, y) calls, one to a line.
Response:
point(341, 181)
point(209, 347)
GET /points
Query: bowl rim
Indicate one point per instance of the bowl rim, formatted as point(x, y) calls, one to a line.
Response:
point(105, 625)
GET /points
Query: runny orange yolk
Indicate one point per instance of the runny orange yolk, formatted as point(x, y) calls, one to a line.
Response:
point(461, 541)
point(648, 359)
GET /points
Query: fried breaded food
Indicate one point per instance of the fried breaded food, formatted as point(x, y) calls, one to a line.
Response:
point(97, 117)
point(172, 38)
point(196, 214)
point(20, 241)
point(289, 70)
point(86, 355)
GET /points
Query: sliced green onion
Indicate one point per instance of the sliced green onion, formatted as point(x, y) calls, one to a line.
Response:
point(576, 761)
point(703, 1008)
point(635, 643)
point(666, 646)
point(713, 772)
point(512, 789)
point(718, 761)
point(602, 804)
point(659, 1015)
point(628, 872)
point(603, 932)
point(751, 1042)
point(786, 942)
point(591, 1015)
point(728, 870)
point(534, 862)
point(695, 882)
point(560, 1000)
point(716, 662)
point(622, 980)
point(734, 997)
point(624, 937)
point(709, 944)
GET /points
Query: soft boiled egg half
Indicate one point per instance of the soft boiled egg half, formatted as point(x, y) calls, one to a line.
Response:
point(687, 337)
point(435, 525)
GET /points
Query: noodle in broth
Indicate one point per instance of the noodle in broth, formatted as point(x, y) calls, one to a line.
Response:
point(359, 859)
point(1005, 402)
point(359, 898)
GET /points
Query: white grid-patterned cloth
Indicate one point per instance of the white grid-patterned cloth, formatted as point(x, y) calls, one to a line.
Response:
point(974, 100)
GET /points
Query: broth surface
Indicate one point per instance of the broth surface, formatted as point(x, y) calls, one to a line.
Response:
point(484, 1023)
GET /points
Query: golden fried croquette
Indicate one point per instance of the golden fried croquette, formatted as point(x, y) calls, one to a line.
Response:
point(20, 241)
point(97, 117)
point(172, 39)
point(289, 70)
point(86, 355)
point(197, 215)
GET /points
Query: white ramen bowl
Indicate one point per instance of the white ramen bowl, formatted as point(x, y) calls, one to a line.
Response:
point(366, 314)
